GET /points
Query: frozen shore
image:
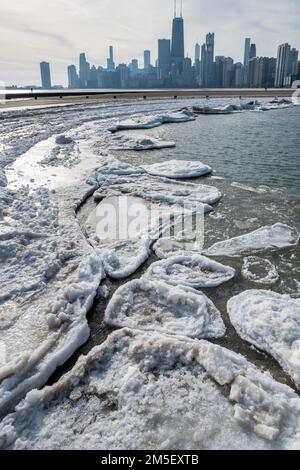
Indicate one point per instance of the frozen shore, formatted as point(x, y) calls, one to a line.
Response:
point(53, 267)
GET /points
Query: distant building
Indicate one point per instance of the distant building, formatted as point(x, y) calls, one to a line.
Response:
point(72, 77)
point(210, 54)
point(252, 52)
point(110, 60)
point(45, 75)
point(247, 52)
point(134, 66)
point(238, 78)
point(220, 62)
point(147, 60)
point(164, 61)
point(164, 53)
point(84, 69)
point(197, 53)
point(228, 73)
point(283, 63)
point(177, 49)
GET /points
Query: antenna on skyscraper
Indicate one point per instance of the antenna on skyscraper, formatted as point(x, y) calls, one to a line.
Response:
point(175, 9)
point(181, 9)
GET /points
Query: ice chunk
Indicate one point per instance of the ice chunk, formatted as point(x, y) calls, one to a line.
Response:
point(265, 238)
point(221, 109)
point(178, 169)
point(192, 271)
point(148, 305)
point(122, 259)
point(259, 270)
point(138, 142)
point(149, 391)
point(161, 190)
point(270, 322)
point(149, 122)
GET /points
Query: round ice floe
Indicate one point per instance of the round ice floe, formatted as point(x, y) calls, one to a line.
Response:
point(147, 305)
point(270, 322)
point(178, 169)
point(270, 237)
point(143, 390)
point(192, 271)
point(138, 142)
point(149, 122)
point(259, 270)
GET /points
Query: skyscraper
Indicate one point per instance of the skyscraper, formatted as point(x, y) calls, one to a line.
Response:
point(252, 52)
point(110, 60)
point(197, 53)
point(177, 50)
point(247, 52)
point(210, 55)
point(83, 70)
point(283, 58)
point(45, 75)
point(164, 59)
point(72, 77)
point(147, 60)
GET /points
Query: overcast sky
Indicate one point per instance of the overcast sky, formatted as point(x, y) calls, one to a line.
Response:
point(58, 30)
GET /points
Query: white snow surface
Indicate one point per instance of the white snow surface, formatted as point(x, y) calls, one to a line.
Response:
point(271, 322)
point(150, 391)
point(178, 169)
point(194, 271)
point(156, 306)
point(49, 277)
point(149, 122)
point(259, 270)
point(266, 238)
point(137, 142)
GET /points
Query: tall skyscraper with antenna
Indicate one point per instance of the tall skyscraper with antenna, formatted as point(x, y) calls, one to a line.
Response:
point(177, 49)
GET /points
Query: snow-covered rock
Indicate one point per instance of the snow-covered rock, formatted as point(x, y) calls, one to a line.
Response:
point(137, 142)
point(270, 321)
point(149, 391)
point(154, 305)
point(63, 140)
point(266, 238)
point(178, 169)
point(190, 270)
point(259, 270)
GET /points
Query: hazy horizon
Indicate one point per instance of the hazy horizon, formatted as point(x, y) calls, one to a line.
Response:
point(58, 31)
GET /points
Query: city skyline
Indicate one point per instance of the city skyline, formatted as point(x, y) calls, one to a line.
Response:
point(127, 27)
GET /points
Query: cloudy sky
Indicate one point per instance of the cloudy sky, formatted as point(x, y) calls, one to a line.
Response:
point(58, 30)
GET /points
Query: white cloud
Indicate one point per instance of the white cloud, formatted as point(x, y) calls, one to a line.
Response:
point(59, 30)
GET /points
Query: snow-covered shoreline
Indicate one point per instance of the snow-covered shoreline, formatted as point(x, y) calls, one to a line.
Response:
point(52, 272)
